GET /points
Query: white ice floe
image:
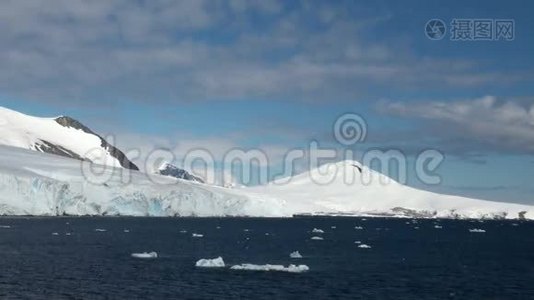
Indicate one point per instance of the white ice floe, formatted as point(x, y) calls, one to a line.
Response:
point(364, 246)
point(438, 226)
point(210, 263)
point(316, 230)
point(246, 230)
point(55, 233)
point(68, 233)
point(145, 255)
point(358, 228)
point(317, 238)
point(100, 230)
point(183, 231)
point(5, 226)
point(416, 227)
point(197, 235)
point(126, 230)
point(357, 242)
point(333, 227)
point(295, 254)
point(279, 268)
point(477, 230)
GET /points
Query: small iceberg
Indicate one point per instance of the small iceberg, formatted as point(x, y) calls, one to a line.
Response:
point(210, 263)
point(5, 226)
point(197, 235)
point(295, 254)
point(317, 238)
point(364, 246)
point(333, 227)
point(68, 233)
point(126, 230)
point(100, 230)
point(55, 233)
point(438, 227)
point(477, 230)
point(316, 230)
point(246, 230)
point(279, 268)
point(145, 255)
point(183, 231)
point(358, 228)
point(357, 242)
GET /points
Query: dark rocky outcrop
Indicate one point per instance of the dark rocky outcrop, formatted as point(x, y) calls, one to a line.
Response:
point(66, 121)
point(168, 169)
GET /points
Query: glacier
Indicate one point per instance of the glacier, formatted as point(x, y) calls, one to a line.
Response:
point(34, 183)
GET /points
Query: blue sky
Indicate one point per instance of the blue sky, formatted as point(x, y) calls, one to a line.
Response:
point(277, 74)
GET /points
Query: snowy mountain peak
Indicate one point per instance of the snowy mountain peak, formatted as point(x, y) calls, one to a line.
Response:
point(168, 169)
point(62, 135)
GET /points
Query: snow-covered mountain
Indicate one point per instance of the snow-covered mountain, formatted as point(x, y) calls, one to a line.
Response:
point(168, 169)
point(34, 183)
point(349, 188)
point(61, 136)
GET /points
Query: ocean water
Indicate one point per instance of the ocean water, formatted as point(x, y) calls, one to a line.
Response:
point(406, 260)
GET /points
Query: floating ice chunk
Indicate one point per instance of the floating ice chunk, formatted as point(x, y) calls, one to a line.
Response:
point(358, 228)
point(266, 233)
point(100, 230)
point(218, 227)
point(126, 230)
point(210, 263)
point(364, 246)
point(295, 254)
point(183, 231)
point(357, 242)
point(333, 227)
point(5, 226)
point(316, 230)
point(197, 235)
point(317, 238)
point(515, 224)
point(416, 227)
point(279, 268)
point(55, 233)
point(477, 230)
point(246, 230)
point(145, 255)
point(68, 233)
point(438, 226)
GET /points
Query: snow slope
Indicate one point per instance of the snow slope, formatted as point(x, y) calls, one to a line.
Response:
point(341, 188)
point(62, 135)
point(33, 183)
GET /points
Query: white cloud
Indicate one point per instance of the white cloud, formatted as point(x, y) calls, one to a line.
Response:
point(504, 124)
point(183, 50)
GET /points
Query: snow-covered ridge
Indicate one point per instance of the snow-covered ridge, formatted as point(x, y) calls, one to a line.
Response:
point(61, 136)
point(350, 188)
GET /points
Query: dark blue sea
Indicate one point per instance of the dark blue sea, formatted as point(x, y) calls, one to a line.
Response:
point(407, 260)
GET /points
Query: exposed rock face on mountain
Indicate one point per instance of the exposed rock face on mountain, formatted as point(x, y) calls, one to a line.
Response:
point(171, 170)
point(123, 160)
point(63, 136)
